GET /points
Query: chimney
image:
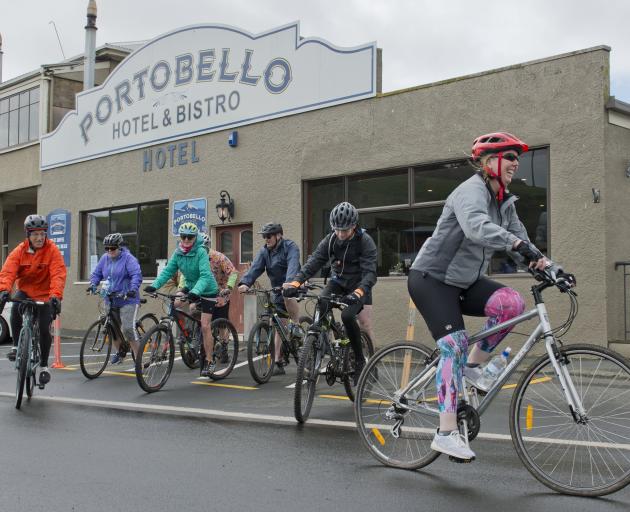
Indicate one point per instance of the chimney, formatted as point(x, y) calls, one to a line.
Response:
point(0, 58)
point(90, 46)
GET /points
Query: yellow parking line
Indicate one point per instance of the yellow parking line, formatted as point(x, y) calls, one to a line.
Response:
point(68, 369)
point(334, 397)
point(217, 385)
point(123, 374)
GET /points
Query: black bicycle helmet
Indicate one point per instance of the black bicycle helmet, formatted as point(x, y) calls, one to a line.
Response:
point(35, 223)
point(113, 239)
point(344, 216)
point(271, 228)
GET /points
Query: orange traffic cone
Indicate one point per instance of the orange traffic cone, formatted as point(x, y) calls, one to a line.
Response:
point(57, 343)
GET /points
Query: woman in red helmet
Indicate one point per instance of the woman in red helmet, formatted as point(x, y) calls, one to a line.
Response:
point(447, 279)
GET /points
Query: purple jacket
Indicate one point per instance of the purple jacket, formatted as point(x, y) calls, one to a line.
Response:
point(124, 274)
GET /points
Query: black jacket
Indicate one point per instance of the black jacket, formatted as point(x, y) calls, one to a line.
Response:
point(353, 262)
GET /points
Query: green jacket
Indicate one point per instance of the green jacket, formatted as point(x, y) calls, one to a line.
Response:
point(196, 270)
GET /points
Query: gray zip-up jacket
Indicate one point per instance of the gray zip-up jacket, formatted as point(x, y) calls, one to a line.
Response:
point(471, 228)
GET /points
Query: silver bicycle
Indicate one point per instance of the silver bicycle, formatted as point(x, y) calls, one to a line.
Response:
point(569, 414)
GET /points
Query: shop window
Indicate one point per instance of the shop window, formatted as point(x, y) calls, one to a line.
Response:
point(247, 246)
point(19, 118)
point(400, 222)
point(145, 230)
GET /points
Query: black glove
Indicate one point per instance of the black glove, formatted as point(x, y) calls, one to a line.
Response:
point(569, 279)
point(131, 294)
point(150, 289)
point(193, 297)
point(291, 291)
point(351, 299)
point(91, 290)
point(529, 251)
point(185, 290)
point(4, 297)
point(55, 303)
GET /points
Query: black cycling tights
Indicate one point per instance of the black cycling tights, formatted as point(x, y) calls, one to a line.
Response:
point(45, 318)
point(348, 317)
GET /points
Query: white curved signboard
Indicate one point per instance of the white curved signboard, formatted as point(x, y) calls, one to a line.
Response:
point(206, 78)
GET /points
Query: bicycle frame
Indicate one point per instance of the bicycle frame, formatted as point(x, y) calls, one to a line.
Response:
point(543, 329)
point(28, 322)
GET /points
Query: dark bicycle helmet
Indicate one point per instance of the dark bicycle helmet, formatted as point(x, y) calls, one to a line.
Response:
point(113, 239)
point(344, 216)
point(271, 228)
point(35, 223)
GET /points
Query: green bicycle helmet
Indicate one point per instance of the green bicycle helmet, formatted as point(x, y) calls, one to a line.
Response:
point(188, 228)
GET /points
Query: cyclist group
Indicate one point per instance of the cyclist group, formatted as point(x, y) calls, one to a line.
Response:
point(446, 280)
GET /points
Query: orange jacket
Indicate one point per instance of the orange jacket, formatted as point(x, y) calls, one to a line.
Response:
point(40, 274)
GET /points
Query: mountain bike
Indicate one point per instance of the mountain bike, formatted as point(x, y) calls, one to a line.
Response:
point(27, 358)
point(262, 337)
point(569, 414)
point(317, 344)
point(97, 342)
point(157, 346)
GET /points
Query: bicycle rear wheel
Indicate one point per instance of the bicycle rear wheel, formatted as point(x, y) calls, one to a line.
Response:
point(260, 351)
point(306, 379)
point(589, 457)
point(350, 361)
point(378, 413)
point(145, 322)
point(95, 349)
point(157, 353)
point(22, 366)
point(225, 348)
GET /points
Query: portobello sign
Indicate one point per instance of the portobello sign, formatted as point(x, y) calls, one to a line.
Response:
point(207, 78)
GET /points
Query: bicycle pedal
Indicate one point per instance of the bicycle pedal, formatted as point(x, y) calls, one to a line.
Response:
point(460, 461)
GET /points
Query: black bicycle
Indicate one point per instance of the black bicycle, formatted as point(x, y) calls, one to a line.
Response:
point(97, 342)
point(317, 344)
point(27, 358)
point(261, 341)
point(157, 346)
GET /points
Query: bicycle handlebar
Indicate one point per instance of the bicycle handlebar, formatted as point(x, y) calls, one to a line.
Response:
point(550, 277)
point(174, 297)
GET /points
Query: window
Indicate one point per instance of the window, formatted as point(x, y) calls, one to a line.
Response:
point(144, 228)
point(247, 246)
point(400, 208)
point(19, 118)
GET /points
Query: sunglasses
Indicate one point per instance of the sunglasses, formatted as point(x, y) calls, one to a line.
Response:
point(188, 237)
point(112, 249)
point(267, 237)
point(511, 157)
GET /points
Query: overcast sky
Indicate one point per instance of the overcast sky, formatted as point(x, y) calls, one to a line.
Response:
point(423, 41)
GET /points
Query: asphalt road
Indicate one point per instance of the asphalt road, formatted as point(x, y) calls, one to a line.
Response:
point(231, 445)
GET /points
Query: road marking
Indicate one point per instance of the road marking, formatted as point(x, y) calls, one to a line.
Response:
point(218, 385)
point(270, 418)
point(334, 397)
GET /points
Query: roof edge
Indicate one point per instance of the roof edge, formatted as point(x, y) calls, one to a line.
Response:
point(498, 70)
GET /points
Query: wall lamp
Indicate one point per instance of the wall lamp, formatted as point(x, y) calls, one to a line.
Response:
point(225, 207)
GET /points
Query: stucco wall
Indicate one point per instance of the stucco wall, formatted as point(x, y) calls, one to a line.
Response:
point(20, 168)
point(616, 198)
point(559, 102)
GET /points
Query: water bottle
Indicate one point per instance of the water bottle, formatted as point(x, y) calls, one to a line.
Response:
point(494, 369)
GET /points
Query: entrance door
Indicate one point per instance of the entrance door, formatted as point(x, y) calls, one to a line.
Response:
point(236, 242)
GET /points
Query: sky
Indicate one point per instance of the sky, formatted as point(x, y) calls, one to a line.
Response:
point(423, 41)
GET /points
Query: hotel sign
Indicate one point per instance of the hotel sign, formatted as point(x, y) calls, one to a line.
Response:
point(207, 78)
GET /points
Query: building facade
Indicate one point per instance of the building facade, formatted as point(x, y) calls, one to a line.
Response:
point(396, 156)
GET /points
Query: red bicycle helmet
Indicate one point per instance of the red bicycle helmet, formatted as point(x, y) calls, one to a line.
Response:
point(497, 143)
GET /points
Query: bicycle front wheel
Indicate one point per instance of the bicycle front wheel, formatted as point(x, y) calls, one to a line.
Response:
point(22, 366)
point(396, 435)
point(350, 362)
point(95, 349)
point(306, 379)
point(225, 348)
point(157, 353)
point(260, 351)
point(587, 456)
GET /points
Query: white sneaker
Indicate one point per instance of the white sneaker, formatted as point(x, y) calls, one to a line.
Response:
point(454, 444)
point(473, 375)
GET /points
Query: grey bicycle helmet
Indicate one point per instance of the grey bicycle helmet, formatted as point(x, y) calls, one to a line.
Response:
point(205, 240)
point(271, 228)
point(344, 216)
point(113, 239)
point(35, 223)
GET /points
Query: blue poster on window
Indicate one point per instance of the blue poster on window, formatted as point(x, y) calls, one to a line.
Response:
point(59, 231)
point(190, 210)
